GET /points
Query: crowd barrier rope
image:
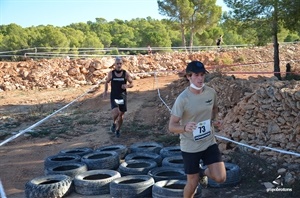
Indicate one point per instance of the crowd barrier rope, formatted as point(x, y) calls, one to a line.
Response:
point(47, 117)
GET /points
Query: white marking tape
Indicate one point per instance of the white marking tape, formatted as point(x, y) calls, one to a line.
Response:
point(158, 92)
point(281, 151)
point(242, 144)
point(46, 118)
point(2, 193)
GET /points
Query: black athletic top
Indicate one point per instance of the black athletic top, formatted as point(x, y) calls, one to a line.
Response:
point(116, 85)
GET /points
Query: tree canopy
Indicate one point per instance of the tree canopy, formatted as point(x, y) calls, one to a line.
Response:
point(196, 22)
point(271, 16)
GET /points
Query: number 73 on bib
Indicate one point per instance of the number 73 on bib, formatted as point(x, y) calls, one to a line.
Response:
point(202, 130)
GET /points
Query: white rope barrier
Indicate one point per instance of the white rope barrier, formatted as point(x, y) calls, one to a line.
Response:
point(46, 118)
point(42, 54)
point(281, 151)
point(5, 52)
point(239, 143)
point(158, 92)
point(88, 50)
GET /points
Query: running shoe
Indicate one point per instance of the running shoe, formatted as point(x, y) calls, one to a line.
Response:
point(117, 133)
point(203, 179)
point(113, 128)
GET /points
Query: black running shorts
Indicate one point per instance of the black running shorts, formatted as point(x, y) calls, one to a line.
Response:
point(122, 107)
point(209, 156)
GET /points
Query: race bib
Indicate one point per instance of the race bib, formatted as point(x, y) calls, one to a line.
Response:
point(119, 101)
point(202, 131)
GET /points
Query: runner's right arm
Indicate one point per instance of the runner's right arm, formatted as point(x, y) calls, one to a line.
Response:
point(108, 79)
point(175, 127)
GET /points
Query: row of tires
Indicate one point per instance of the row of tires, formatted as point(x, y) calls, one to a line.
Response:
point(131, 186)
point(109, 168)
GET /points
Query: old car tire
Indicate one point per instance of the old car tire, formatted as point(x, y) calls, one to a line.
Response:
point(76, 151)
point(51, 186)
point(132, 186)
point(172, 188)
point(233, 176)
point(170, 151)
point(56, 160)
point(69, 169)
point(145, 156)
point(146, 147)
point(119, 148)
point(167, 173)
point(101, 160)
point(173, 161)
point(95, 182)
point(136, 167)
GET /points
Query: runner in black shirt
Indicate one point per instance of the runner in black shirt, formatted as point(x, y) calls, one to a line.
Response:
point(118, 79)
point(219, 41)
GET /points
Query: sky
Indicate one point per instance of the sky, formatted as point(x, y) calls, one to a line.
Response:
point(27, 13)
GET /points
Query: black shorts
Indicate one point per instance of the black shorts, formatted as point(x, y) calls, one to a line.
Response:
point(209, 156)
point(122, 107)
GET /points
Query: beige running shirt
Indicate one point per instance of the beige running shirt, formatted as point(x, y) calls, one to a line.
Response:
point(197, 108)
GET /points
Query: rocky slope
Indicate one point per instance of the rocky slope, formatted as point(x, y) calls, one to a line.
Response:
point(47, 73)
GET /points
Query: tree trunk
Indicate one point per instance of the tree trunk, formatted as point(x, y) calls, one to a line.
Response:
point(192, 30)
point(191, 40)
point(276, 45)
point(276, 58)
point(183, 36)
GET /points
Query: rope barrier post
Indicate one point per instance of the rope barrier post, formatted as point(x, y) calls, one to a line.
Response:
point(2, 193)
point(158, 92)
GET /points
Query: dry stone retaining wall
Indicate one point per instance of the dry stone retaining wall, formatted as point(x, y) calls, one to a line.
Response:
point(270, 116)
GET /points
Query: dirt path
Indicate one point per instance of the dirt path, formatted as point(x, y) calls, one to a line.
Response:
point(22, 159)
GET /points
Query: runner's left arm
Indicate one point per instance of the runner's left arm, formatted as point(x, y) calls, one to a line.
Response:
point(215, 112)
point(130, 81)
